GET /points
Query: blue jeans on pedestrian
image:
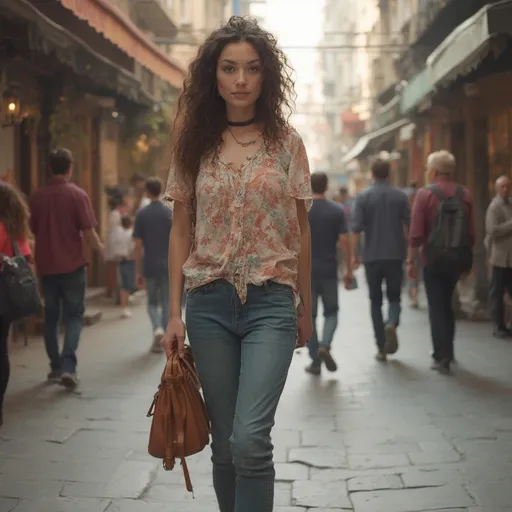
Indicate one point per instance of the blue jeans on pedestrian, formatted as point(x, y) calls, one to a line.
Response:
point(157, 289)
point(242, 353)
point(66, 293)
point(390, 272)
point(327, 291)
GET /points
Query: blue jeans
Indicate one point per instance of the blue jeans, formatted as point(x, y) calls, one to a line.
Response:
point(66, 292)
point(392, 273)
point(327, 291)
point(242, 353)
point(157, 289)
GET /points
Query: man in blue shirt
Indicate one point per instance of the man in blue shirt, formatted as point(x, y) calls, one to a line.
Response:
point(151, 234)
point(328, 229)
point(383, 213)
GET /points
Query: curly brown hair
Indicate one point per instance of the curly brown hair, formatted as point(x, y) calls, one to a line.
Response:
point(201, 116)
point(14, 212)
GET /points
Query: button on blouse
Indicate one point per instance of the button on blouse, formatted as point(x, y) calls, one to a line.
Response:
point(247, 229)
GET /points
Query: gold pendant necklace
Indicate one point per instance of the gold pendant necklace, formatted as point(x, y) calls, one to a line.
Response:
point(243, 144)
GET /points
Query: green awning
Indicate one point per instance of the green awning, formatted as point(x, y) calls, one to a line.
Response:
point(418, 88)
point(465, 48)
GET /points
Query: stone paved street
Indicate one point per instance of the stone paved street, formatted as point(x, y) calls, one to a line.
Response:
point(370, 438)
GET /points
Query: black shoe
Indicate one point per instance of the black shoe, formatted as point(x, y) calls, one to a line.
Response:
point(69, 381)
point(54, 377)
point(324, 354)
point(313, 369)
point(502, 333)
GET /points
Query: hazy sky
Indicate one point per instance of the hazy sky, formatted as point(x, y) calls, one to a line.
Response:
point(297, 23)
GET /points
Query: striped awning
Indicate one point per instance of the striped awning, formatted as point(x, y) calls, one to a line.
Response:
point(111, 22)
point(373, 139)
point(465, 48)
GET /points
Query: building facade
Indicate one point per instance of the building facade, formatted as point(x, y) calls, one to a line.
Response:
point(447, 87)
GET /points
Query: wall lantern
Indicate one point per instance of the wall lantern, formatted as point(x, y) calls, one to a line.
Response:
point(11, 109)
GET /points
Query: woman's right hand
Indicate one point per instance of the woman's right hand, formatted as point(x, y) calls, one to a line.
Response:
point(174, 336)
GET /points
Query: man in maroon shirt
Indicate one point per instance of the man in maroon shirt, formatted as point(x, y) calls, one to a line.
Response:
point(61, 215)
point(439, 285)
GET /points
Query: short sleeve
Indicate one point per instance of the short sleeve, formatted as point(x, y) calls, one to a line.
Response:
point(342, 223)
point(138, 230)
point(177, 189)
point(24, 248)
point(358, 215)
point(85, 213)
point(299, 175)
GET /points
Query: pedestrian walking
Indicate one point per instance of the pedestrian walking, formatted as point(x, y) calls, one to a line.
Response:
point(329, 230)
point(124, 248)
point(151, 234)
point(346, 202)
point(414, 284)
point(61, 216)
point(14, 217)
point(498, 223)
point(241, 184)
point(382, 212)
point(440, 209)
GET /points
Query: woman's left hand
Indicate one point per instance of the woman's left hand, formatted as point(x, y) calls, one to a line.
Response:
point(304, 326)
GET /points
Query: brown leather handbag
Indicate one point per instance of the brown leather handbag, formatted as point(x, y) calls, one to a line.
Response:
point(180, 426)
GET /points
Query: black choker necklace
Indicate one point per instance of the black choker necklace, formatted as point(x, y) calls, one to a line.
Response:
point(242, 123)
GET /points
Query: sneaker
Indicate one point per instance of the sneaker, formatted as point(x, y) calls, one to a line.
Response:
point(313, 369)
point(391, 344)
point(69, 380)
point(126, 313)
point(54, 377)
point(324, 354)
point(157, 338)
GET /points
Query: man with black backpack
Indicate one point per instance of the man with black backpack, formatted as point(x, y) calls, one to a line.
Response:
point(442, 226)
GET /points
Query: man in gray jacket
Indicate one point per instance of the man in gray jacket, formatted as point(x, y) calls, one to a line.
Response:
point(498, 224)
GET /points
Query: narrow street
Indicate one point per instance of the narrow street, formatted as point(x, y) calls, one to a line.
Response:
point(370, 438)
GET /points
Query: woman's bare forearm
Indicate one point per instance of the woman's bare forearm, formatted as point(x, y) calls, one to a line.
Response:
point(179, 250)
point(305, 269)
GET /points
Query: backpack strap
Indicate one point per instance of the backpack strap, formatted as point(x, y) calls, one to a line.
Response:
point(437, 192)
point(459, 193)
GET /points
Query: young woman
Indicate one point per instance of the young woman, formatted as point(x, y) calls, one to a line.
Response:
point(13, 229)
point(241, 184)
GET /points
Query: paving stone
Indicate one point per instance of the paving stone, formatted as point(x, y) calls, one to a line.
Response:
point(377, 461)
point(412, 500)
point(129, 481)
point(321, 495)
point(432, 477)
point(291, 472)
point(374, 483)
point(12, 487)
point(340, 475)
point(495, 493)
point(62, 505)
point(368, 415)
point(323, 439)
point(319, 457)
point(8, 504)
point(423, 459)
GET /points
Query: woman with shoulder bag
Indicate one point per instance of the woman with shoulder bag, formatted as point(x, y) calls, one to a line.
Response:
point(240, 243)
point(14, 216)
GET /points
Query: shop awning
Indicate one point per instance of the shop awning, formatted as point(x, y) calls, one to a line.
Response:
point(373, 139)
point(465, 48)
point(416, 90)
point(111, 22)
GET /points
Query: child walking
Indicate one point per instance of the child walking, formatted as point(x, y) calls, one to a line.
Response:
point(127, 267)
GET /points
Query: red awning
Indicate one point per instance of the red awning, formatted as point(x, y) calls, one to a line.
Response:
point(118, 28)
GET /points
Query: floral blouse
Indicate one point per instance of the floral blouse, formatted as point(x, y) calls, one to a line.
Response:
point(247, 229)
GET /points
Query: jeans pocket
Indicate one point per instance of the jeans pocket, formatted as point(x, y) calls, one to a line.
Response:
point(275, 288)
